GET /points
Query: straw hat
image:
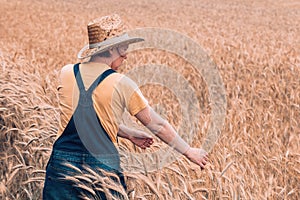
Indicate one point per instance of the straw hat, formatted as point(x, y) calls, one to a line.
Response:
point(104, 33)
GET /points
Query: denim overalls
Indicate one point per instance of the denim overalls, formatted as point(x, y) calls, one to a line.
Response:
point(84, 142)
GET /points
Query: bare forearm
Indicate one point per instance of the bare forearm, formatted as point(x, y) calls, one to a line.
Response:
point(171, 137)
point(166, 133)
point(129, 133)
point(162, 129)
point(124, 132)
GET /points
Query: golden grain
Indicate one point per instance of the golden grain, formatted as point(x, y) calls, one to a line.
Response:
point(255, 45)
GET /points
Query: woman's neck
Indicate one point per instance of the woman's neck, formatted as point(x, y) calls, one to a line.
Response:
point(106, 60)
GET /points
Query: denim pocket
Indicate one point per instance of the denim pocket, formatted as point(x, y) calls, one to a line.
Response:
point(57, 189)
point(64, 167)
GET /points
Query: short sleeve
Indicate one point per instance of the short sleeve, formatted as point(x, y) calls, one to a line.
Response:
point(134, 101)
point(137, 102)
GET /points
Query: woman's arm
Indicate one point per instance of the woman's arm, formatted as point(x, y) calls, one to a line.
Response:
point(139, 138)
point(162, 129)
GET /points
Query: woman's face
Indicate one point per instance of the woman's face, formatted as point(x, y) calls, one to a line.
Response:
point(119, 54)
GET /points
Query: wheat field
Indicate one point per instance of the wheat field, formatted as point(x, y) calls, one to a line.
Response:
point(255, 45)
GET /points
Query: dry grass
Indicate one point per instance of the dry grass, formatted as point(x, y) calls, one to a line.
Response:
point(256, 46)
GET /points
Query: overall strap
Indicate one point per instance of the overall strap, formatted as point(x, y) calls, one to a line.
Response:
point(78, 78)
point(98, 80)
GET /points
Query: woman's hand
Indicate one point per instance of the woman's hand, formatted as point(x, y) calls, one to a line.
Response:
point(141, 139)
point(197, 156)
point(137, 137)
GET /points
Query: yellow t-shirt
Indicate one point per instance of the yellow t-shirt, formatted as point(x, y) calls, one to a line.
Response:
point(111, 97)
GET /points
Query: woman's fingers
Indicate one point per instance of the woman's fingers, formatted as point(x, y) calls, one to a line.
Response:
point(205, 158)
point(148, 142)
point(202, 165)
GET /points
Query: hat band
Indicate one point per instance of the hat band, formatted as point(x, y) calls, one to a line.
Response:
point(109, 41)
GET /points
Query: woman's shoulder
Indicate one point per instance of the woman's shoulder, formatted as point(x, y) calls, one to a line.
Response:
point(67, 68)
point(125, 80)
point(125, 83)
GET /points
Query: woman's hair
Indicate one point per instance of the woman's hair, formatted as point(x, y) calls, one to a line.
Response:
point(103, 54)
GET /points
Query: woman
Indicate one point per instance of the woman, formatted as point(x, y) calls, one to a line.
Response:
point(92, 100)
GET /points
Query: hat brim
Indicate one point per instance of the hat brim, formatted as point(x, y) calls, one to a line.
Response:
point(87, 51)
